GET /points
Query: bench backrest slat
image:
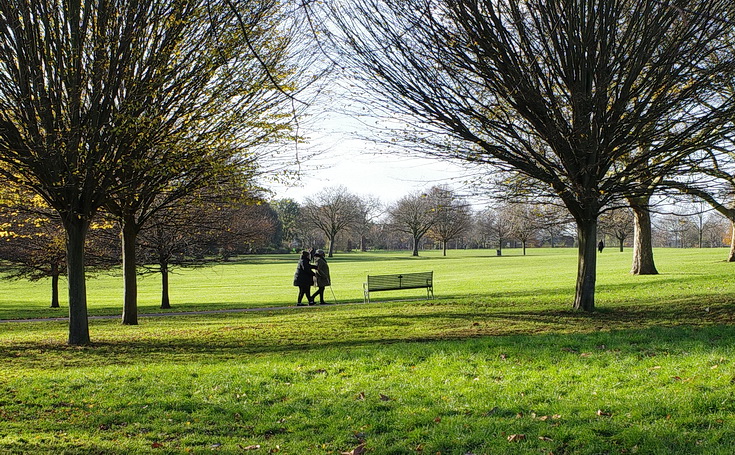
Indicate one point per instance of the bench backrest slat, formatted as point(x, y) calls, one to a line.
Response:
point(399, 281)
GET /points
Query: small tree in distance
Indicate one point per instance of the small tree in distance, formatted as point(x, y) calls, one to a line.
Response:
point(332, 210)
point(452, 216)
point(618, 223)
point(414, 214)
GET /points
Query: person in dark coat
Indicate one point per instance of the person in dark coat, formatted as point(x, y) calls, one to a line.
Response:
point(304, 278)
point(600, 246)
point(322, 276)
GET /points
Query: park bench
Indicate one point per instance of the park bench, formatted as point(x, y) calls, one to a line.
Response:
point(399, 281)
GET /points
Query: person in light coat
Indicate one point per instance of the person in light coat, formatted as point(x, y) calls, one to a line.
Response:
point(322, 276)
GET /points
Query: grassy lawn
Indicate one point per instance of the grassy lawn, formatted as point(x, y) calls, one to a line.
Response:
point(497, 363)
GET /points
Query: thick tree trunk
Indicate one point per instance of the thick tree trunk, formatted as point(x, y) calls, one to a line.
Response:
point(165, 301)
point(55, 285)
point(731, 256)
point(643, 263)
point(584, 298)
point(76, 232)
point(444, 247)
point(621, 244)
point(524, 247)
point(130, 279)
point(416, 246)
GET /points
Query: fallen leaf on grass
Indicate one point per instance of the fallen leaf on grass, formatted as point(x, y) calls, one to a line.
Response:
point(156, 445)
point(438, 419)
point(603, 413)
point(360, 396)
point(252, 447)
point(544, 438)
point(516, 437)
point(359, 450)
point(385, 397)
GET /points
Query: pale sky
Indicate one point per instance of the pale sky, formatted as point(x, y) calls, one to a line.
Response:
point(364, 168)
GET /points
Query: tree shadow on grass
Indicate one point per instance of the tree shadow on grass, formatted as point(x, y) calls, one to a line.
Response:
point(222, 338)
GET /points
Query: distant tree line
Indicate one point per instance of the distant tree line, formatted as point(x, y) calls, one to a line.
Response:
point(441, 218)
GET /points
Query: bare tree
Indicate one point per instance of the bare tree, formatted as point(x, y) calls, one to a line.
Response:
point(415, 215)
point(618, 224)
point(495, 224)
point(710, 176)
point(452, 216)
point(554, 221)
point(525, 222)
point(561, 91)
point(208, 109)
point(32, 244)
point(369, 208)
point(332, 211)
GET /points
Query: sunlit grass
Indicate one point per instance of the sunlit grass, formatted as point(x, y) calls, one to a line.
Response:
point(498, 363)
point(543, 276)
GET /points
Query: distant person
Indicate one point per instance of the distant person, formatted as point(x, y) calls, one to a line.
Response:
point(322, 276)
point(304, 278)
point(600, 246)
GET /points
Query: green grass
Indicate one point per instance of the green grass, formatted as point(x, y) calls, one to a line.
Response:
point(498, 353)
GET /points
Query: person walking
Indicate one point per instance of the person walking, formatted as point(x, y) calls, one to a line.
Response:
point(600, 246)
point(322, 276)
point(304, 278)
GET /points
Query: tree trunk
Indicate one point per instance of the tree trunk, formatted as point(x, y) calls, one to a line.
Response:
point(643, 263)
point(331, 247)
point(584, 298)
point(55, 285)
point(621, 244)
point(76, 233)
point(731, 256)
point(416, 245)
point(444, 247)
point(523, 242)
point(165, 301)
point(130, 279)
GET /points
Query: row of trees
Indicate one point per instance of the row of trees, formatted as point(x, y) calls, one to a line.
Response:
point(194, 233)
point(132, 108)
point(438, 216)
